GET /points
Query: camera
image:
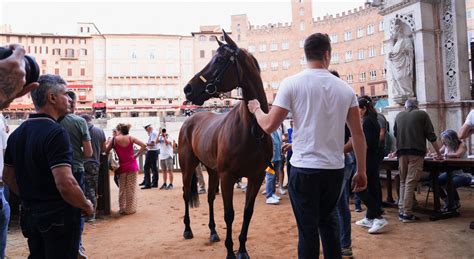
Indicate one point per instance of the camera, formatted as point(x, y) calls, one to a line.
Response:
point(31, 67)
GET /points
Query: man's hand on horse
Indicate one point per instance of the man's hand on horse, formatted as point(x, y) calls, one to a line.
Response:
point(359, 182)
point(253, 105)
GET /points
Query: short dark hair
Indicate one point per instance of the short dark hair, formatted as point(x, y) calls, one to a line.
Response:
point(335, 73)
point(72, 95)
point(47, 83)
point(316, 45)
point(163, 130)
point(86, 117)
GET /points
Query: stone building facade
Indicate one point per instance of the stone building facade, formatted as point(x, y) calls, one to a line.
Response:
point(143, 74)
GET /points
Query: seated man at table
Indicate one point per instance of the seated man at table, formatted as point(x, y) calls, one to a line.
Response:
point(453, 148)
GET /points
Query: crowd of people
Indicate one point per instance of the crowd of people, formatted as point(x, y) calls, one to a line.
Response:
point(332, 150)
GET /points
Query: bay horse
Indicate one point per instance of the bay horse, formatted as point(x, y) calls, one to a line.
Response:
point(229, 145)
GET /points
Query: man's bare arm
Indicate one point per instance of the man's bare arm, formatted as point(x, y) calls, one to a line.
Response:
point(70, 189)
point(10, 180)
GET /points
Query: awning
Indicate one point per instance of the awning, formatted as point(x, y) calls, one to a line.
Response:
point(98, 105)
point(80, 86)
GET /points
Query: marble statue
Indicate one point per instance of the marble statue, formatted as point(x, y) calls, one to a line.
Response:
point(400, 62)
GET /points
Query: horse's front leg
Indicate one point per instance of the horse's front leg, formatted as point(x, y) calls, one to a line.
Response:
point(227, 188)
point(253, 188)
point(213, 182)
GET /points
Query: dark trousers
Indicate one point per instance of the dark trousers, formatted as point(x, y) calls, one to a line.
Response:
point(458, 181)
point(52, 231)
point(150, 164)
point(288, 165)
point(372, 195)
point(314, 194)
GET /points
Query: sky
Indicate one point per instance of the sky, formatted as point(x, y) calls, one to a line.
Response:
point(158, 17)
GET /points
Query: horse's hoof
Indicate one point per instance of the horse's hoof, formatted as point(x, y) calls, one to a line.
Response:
point(214, 238)
point(230, 256)
point(188, 234)
point(243, 255)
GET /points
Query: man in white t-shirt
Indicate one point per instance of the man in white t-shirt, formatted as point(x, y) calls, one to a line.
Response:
point(465, 131)
point(165, 144)
point(321, 104)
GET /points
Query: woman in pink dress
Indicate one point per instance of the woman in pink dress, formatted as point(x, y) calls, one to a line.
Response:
point(128, 170)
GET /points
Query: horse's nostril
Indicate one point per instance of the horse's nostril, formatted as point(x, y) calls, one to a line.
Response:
point(188, 89)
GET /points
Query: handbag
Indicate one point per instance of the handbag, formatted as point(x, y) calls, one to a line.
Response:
point(113, 162)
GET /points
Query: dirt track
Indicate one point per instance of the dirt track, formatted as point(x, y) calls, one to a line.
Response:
point(155, 231)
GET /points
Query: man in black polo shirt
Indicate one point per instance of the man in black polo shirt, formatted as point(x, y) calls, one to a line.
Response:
point(38, 163)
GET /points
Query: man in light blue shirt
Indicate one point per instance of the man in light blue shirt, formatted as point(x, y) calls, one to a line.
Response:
point(151, 159)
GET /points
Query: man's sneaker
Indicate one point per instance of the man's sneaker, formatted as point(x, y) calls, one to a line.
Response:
point(274, 196)
point(400, 216)
point(238, 186)
point(169, 187)
point(272, 201)
point(365, 222)
point(346, 252)
point(282, 191)
point(409, 218)
point(163, 187)
point(358, 208)
point(264, 192)
point(142, 183)
point(202, 191)
point(244, 188)
point(378, 225)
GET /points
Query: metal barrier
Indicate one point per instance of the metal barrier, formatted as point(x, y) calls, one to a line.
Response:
point(141, 162)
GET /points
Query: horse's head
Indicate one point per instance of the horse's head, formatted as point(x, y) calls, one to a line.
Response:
point(220, 75)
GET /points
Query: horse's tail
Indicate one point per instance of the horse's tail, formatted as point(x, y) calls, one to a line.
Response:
point(194, 201)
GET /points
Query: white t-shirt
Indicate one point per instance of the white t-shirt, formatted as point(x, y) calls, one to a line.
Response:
point(470, 119)
point(3, 141)
point(319, 102)
point(166, 151)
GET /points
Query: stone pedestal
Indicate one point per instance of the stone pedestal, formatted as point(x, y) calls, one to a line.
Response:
point(441, 69)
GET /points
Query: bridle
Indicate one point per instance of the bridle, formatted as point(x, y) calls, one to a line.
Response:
point(212, 85)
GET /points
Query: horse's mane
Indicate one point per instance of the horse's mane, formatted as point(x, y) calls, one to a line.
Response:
point(254, 60)
point(256, 63)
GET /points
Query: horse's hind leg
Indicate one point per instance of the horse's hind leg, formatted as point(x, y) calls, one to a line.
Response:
point(253, 188)
point(227, 188)
point(213, 182)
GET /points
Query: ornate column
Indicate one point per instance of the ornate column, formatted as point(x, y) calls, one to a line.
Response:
point(440, 72)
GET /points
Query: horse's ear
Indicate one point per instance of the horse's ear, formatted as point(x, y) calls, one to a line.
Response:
point(229, 40)
point(219, 42)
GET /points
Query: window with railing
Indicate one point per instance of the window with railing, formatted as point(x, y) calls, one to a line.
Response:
point(274, 66)
point(360, 32)
point(370, 29)
point(373, 75)
point(362, 77)
point(349, 55)
point(361, 54)
point(69, 53)
point(347, 35)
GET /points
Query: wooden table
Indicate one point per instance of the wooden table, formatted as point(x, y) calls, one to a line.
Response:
point(434, 167)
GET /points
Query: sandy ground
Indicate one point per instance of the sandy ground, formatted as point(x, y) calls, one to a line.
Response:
point(155, 231)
